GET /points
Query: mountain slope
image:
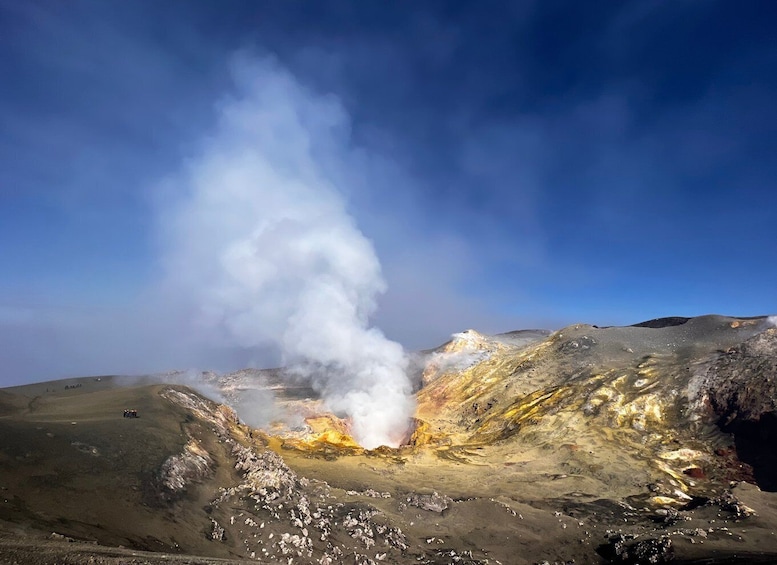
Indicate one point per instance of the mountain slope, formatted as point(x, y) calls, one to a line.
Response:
point(594, 444)
point(71, 463)
point(645, 400)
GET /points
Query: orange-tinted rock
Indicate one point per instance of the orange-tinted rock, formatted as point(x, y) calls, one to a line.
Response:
point(695, 472)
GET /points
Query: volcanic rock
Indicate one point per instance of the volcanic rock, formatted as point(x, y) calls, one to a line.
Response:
point(526, 447)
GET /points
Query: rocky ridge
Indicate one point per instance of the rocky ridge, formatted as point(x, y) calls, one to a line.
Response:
point(586, 445)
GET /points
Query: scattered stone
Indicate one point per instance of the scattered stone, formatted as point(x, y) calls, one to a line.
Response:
point(217, 533)
point(667, 516)
point(60, 537)
point(434, 502)
point(730, 503)
point(619, 550)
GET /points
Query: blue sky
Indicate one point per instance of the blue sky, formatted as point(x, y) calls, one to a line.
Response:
point(515, 165)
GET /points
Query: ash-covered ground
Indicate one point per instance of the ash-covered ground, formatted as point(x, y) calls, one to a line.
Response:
point(642, 444)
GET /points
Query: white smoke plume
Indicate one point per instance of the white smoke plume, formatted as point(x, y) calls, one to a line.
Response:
point(259, 239)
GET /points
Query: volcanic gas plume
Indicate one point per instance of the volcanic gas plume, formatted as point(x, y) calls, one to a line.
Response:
point(259, 240)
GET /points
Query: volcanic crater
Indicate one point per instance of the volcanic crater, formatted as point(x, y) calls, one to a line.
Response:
point(639, 444)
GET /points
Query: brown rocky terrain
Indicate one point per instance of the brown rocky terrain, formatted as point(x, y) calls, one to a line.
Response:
point(639, 444)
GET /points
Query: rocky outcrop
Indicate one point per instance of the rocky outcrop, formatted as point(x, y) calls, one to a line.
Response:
point(741, 386)
point(433, 502)
point(282, 516)
point(740, 389)
point(179, 471)
point(272, 513)
point(624, 551)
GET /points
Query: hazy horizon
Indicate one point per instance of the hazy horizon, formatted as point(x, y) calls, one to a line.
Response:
point(526, 165)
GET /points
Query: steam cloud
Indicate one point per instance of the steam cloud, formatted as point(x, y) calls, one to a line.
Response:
point(259, 240)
